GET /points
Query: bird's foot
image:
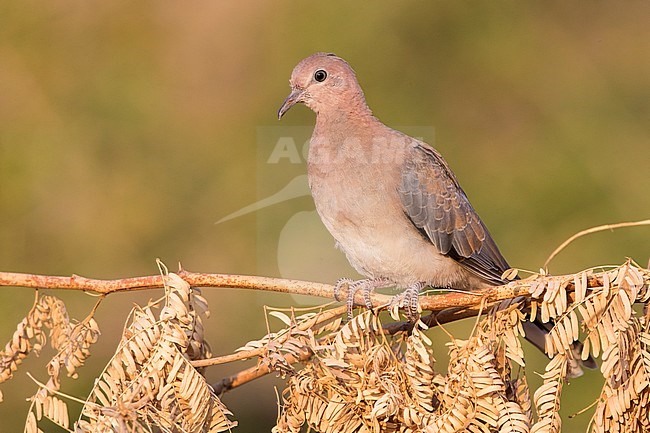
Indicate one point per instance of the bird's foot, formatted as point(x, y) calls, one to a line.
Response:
point(367, 286)
point(409, 301)
point(339, 284)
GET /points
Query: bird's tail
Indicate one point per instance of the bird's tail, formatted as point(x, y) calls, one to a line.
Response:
point(536, 333)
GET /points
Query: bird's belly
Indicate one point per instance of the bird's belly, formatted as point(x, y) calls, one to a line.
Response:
point(363, 212)
point(395, 250)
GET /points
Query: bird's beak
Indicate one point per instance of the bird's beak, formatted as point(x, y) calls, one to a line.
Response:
point(294, 97)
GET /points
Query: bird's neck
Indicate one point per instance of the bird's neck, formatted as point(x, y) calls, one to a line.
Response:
point(340, 135)
point(353, 114)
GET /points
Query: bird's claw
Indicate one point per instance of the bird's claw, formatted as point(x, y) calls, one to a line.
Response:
point(339, 284)
point(367, 286)
point(366, 297)
point(409, 301)
point(352, 289)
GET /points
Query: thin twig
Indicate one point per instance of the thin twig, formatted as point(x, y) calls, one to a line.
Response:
point(593, 230)
point(250, 374)
point(54, 391)
point(318, 319)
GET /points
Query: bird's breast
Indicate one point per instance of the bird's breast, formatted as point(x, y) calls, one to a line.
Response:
point(353, 195)
point(350, 183)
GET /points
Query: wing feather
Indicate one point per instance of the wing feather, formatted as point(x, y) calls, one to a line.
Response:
point(437, 206)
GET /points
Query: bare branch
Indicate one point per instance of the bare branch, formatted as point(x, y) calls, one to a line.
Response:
point(240, 378)
point(318, 319)
point(433, 303)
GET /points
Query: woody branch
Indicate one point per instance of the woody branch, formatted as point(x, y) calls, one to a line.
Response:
point(195, 279)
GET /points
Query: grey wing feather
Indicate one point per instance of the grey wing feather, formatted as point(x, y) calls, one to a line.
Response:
point(436, 204)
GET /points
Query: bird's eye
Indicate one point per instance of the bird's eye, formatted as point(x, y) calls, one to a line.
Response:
point(320, 75)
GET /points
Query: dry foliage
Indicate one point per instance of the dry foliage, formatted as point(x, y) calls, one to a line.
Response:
point(148, 384)
point(150, 380)
point(361, 375)
point(365, 380)
point(48, 317)
point(361, 379)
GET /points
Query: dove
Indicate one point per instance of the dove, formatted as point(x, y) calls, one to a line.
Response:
point(391, 201)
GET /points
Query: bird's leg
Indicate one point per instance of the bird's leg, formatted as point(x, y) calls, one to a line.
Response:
point(408, 300)
point(367, 285)
point(340, 283)
point(370, 285)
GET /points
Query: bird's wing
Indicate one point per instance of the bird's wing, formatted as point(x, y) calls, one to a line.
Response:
point(436, 204)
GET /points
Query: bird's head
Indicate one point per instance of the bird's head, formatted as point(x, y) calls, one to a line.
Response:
point(324, 82)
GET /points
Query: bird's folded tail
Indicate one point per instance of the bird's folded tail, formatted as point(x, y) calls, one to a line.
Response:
point(536, 333)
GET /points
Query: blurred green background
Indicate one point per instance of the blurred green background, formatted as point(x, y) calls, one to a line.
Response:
point(127, 129)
